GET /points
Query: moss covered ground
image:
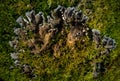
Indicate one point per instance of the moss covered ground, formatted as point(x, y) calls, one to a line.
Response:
point(72, 65)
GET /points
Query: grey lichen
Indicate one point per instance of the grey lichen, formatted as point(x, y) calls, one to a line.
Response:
point(65, 21)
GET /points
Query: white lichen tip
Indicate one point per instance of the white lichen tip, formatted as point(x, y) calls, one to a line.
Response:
point(17, 31)
point(58, 8)
point(96, 31)
point(41, 13)
point(84, 18)
point(20, 20)
point(14, 55)
point(28, 16)
point(32, 12)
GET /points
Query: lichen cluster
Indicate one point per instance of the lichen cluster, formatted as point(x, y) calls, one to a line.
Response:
point(39, 34)
point(105, 45)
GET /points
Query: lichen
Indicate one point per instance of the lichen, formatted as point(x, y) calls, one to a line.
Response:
point(47, 33)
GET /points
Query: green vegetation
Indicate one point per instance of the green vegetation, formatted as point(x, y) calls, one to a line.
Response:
point(71, 65)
